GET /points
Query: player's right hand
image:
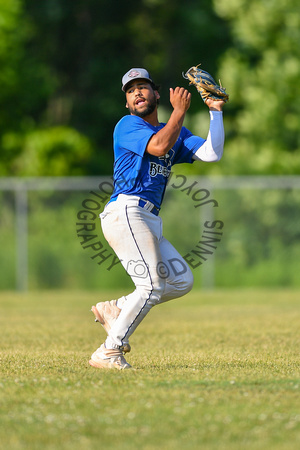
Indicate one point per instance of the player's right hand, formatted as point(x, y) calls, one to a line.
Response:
point(180, 98)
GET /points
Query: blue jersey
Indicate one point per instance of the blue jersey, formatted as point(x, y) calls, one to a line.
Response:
point(136, 172)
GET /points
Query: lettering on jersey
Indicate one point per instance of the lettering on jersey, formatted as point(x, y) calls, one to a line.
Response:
point(159, 169)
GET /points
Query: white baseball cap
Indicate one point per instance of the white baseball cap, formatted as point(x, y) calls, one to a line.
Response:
point(134, 74)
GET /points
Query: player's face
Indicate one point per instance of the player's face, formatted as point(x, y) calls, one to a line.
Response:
point(141, 99)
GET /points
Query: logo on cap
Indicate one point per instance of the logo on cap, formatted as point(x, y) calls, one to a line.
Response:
point(134, 73)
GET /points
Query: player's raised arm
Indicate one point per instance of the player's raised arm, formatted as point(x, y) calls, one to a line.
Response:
point(161, 142)
point(214, 96)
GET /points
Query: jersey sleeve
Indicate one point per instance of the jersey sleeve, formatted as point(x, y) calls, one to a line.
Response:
point(188, 145)
point(132, 134)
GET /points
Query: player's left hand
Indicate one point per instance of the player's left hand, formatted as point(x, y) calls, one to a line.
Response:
point(214, 105)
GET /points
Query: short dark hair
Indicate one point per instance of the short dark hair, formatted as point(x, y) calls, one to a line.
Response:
point(155, 87)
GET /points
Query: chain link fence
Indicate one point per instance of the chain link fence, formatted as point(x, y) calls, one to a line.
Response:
point(232, 231)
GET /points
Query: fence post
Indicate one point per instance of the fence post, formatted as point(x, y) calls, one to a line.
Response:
point(21, 238)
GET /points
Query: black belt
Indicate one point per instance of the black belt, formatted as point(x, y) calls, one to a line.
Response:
point(151, 207)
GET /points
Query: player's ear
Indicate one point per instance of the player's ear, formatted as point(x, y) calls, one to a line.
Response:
point(126, 105)
point(157, 95)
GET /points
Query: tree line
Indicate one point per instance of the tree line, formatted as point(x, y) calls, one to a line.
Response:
point(62, 62)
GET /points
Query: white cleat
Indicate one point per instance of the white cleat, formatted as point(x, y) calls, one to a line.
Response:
point(107, 313)
point(104, 358)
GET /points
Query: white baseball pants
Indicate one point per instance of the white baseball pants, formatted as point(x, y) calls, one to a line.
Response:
point(158, 271)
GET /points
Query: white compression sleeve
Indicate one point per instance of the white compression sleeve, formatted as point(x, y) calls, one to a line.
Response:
point(212, 149)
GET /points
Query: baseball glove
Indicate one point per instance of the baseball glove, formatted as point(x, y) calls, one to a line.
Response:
point(205, 84)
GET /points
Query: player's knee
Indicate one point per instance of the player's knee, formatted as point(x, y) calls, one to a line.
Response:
point(188, 281)
point(156, 291)
point(185, 282)
point(159, 287)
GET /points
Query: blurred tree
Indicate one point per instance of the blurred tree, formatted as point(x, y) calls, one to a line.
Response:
point(75, 52)
point(62, 62)
point(54, 151)
point(261, 71)
point(26, 83)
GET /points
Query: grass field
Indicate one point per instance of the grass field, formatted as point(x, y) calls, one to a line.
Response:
point(215, 370)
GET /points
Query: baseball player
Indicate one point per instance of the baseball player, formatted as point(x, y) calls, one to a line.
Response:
point(144, 151)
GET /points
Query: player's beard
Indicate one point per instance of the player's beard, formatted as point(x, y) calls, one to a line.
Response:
point(145, 112)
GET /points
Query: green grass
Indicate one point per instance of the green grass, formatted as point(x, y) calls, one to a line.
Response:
point(214, 370)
